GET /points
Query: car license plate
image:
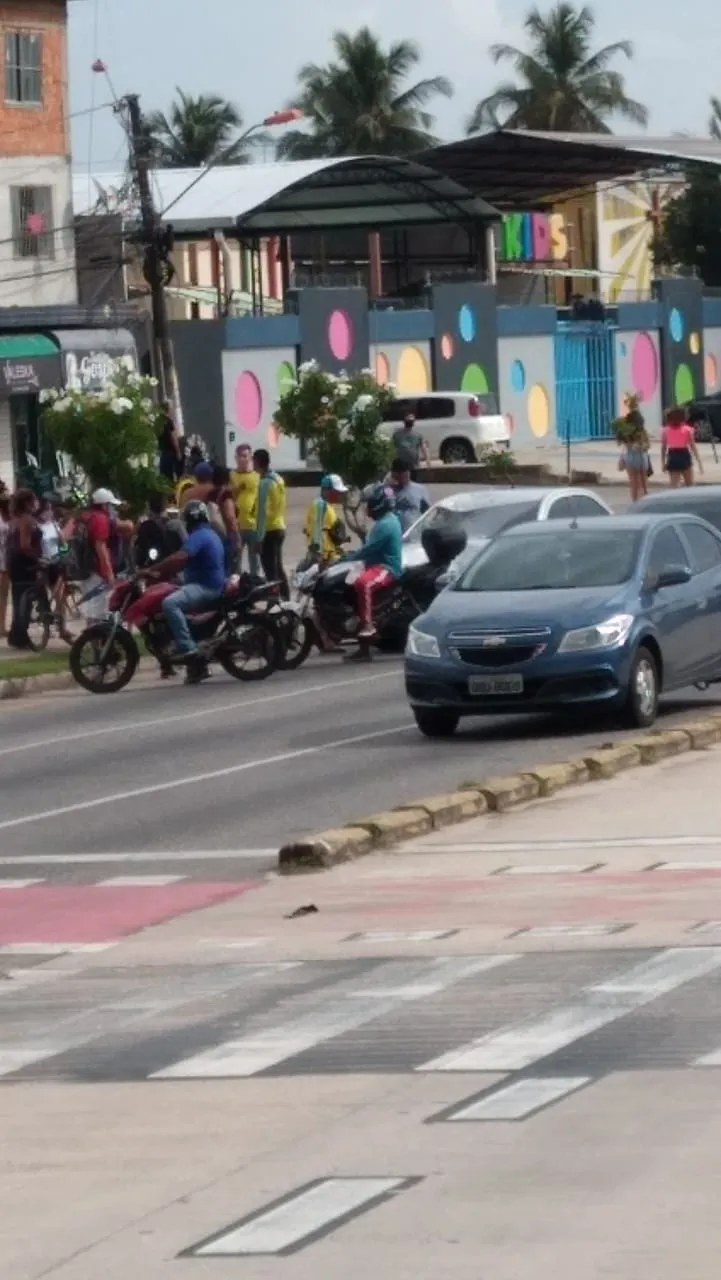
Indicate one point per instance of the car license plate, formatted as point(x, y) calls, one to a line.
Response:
point(483, 686)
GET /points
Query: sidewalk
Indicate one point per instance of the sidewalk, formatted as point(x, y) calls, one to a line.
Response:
point(601, 456)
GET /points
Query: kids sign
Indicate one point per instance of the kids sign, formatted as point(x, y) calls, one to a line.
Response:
point(533, 237)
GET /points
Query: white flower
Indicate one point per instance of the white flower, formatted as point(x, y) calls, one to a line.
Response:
point(344, 388)
point(147, 405)
point(134, 379)
point(49, 395)
point(308, 366)
point(121, 405)
point(367, 373)
point(361, 404)
point(62, 404)
point(152, 382)
point(325, 400)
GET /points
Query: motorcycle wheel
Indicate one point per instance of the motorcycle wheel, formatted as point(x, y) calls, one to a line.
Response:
point(122, 659)
point(257, 640)
point(296, 639)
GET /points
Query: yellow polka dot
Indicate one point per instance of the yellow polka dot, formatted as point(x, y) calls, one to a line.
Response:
point(383, 369)
point(695, 344)
point(413, 372)
point(539, 410)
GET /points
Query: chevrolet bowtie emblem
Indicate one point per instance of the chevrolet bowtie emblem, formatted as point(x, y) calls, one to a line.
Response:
point(492, 642)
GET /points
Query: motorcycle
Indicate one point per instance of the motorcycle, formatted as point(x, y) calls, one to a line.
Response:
point(233, 632)
point(327, 602)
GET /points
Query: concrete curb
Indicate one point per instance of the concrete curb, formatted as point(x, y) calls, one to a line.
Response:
point(496, 795)
point(24, 686)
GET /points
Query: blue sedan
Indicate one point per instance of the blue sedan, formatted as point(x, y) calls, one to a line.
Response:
point(604, 613)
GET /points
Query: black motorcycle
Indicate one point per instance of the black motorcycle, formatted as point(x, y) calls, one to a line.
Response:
point(327, 600)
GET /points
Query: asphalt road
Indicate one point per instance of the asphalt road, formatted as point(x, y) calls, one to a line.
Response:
point(180, 774)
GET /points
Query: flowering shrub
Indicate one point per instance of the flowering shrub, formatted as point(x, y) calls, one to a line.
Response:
point(111, 435)
point(337, 419)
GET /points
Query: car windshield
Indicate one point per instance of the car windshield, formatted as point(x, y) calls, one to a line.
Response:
point(561, 559)
point(710, 511)
point(483, 522)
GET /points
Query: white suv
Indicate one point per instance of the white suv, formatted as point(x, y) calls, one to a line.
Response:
point(456, 426)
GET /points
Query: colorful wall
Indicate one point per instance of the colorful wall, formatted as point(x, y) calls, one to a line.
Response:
point(663, 351)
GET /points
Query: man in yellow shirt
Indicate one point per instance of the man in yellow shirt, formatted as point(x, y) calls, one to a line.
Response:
point(270, 520)
point(324, 528)
point(245, 482)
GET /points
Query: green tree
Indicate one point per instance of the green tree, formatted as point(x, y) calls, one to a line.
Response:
point(198, 132)
point(111, 436)
point(714, 124)
point(360, 102)
point(564, 86)
point(689, 239)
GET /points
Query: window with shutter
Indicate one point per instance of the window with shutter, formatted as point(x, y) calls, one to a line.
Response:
point(24, 68)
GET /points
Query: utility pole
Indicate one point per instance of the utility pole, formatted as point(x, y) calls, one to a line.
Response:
point(157, 242)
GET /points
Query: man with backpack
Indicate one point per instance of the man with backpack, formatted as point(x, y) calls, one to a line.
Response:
point(92, 541)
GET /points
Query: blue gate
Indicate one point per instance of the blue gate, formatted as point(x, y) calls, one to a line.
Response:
point(585, 380)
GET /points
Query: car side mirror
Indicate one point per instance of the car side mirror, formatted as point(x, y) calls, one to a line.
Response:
point(676, 575)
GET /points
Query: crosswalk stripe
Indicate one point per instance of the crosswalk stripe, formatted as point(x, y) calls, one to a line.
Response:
point(252, 1054)
point(515, 1047)
point(518, 1100)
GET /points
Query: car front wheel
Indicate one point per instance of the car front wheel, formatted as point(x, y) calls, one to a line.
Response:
point(436, 722)
point(641, 706)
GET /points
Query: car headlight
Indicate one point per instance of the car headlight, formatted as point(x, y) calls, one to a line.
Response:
point(605, 635)
point(421, 645)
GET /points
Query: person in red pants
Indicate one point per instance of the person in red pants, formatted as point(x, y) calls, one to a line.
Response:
point(381, 555)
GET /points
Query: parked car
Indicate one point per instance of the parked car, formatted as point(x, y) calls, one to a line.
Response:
point(598, 613)
point(456, 426)
point(704, 415)
point(482, 513)
point(702, 500)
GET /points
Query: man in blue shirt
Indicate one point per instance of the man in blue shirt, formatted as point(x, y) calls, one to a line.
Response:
point(411, 498)
point(382, 556)
point(202, 558)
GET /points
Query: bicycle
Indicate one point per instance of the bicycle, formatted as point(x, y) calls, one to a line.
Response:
point(40, 612)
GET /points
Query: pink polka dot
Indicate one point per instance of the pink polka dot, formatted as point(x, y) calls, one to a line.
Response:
point(644, 366)
point(340, 335)
point(248, 401)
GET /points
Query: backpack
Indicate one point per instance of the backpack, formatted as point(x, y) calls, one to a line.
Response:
point(81, 559)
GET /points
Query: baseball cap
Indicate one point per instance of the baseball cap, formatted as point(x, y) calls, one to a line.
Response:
point(104, 498)
point(334, 482)
point(203, 471)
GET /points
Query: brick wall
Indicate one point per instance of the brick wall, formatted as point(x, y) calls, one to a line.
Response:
point(27, 130)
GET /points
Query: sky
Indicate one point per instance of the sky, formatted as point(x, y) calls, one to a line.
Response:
point(249, 52)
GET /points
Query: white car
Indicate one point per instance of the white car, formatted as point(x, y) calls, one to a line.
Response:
point(457, 426)
point(483, 513)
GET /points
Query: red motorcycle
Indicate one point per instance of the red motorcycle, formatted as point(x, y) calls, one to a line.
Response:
point(235, 631)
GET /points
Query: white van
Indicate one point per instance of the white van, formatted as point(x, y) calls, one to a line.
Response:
point(456, 426)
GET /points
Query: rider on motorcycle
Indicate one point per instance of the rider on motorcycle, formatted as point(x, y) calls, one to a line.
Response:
point(381, 555)
point(202, 559)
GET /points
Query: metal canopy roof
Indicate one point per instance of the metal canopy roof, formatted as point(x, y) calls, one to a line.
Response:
point(265, 199)
point(525, 170)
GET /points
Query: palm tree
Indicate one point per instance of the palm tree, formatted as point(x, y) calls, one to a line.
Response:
point(358, 104)
point(564, 86)
point(198, 132)
point(714, 124)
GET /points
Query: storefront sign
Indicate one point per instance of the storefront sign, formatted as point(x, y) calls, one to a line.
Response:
point(93, 370)
point(533, 237)
point(26, 377)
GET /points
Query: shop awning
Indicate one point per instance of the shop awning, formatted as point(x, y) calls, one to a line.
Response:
point(29, 362)
point(90, 357)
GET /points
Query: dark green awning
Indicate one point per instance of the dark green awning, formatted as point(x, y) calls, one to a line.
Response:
point(29, 362)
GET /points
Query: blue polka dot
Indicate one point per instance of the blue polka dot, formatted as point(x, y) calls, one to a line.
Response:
point(518, 376)
point(676, 325)
point(467, 323)
point(623, 349)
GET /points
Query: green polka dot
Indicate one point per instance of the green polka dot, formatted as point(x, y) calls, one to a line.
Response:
point(286, 377)
point(474, 380)
point(683, 387)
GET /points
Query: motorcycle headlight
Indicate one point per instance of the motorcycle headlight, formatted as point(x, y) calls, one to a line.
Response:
point(604, 635)
point(422, 645)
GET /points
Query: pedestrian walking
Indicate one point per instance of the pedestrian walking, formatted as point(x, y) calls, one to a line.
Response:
point(244, 482)
point(635, 457)
point(4, 556)
point(678, 448)
point(410, 445)
point(25, 546)
point(272, 502)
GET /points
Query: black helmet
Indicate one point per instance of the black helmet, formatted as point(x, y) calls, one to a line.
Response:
point(195, 513)
point(379, 500)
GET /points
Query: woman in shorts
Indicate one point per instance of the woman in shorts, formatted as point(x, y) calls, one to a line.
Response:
point(678, 448)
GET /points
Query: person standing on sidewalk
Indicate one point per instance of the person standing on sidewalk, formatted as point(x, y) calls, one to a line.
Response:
point(410, 445)
point(4, 557)
point(245, 481)
point(25, 548)
point(272, 502)
point(678, 448)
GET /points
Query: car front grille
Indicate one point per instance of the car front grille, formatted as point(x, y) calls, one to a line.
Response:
point(498, 649)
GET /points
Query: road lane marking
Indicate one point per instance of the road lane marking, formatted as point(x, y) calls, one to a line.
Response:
point(249, 1055)
point(82, 806)
point(559, 869)
point(516, 1047)
point(151, 855)
point(685, 866)
point(390, 935)
point(18, 884)
point(131, 726)
point(434, 843)
point(287, 1225)
point(138, 882)
point(518, 1100)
